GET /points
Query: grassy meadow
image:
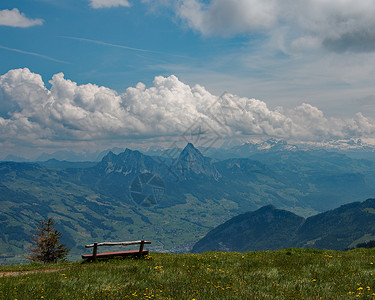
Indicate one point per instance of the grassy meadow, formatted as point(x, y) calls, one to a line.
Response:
point(281, 274)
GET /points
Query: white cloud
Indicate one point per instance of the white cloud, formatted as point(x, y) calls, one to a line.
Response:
point(337, 25)
point(14, 18)
point(70, 113)
point(228, 17)
point(108, 3)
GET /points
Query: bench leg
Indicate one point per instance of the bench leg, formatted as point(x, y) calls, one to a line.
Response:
point(141, 248)
point(94, 251)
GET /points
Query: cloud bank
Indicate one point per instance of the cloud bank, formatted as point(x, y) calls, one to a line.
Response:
point(14, 18)
point(337, 25)
point(31, 114)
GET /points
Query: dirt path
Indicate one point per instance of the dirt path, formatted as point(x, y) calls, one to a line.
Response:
point(17, 273)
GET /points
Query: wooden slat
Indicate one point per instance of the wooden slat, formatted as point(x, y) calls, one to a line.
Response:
point(118, 243)
point(113, 254)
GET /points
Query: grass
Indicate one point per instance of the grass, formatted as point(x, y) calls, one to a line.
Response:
point(282, 274)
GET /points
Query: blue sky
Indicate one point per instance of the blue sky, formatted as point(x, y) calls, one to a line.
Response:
point(294, 71)
point(64, 23)
point(166, 46)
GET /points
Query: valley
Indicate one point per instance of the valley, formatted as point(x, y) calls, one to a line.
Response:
point(189, 196)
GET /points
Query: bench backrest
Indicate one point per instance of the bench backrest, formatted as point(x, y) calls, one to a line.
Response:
point(96, 245)
point(118, 243)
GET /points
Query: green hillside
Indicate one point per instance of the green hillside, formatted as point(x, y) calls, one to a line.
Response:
point(269, 228)
point(283, 274)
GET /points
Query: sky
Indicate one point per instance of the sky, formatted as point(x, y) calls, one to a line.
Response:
point(95, 74)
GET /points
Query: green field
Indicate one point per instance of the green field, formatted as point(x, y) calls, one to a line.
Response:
point(282, 274)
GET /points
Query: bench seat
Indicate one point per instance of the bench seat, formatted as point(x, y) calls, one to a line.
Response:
point(118, 253)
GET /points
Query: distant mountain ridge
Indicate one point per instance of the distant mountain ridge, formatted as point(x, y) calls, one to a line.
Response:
point(269, 228)
point(189, 164)
point(354, 148)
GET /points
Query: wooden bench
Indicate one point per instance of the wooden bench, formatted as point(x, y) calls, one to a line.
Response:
point(133, 253)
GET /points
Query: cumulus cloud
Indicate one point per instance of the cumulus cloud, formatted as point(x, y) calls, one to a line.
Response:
point(14, 18)
point(31, 113)
point(337, 25)
point(108, 3)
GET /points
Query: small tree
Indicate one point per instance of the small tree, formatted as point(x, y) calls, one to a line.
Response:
point(47, 247)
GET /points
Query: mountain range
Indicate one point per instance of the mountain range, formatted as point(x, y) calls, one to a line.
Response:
point(269, 228)
point(174, 199)
point(355, 148)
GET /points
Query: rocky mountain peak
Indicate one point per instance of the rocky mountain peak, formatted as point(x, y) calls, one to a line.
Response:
point(110, 157)
point(127, 162)
point(191, 154)
point(192, 161)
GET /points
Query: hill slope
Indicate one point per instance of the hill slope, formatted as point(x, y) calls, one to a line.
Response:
point(269, 228)
point(266, 228)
